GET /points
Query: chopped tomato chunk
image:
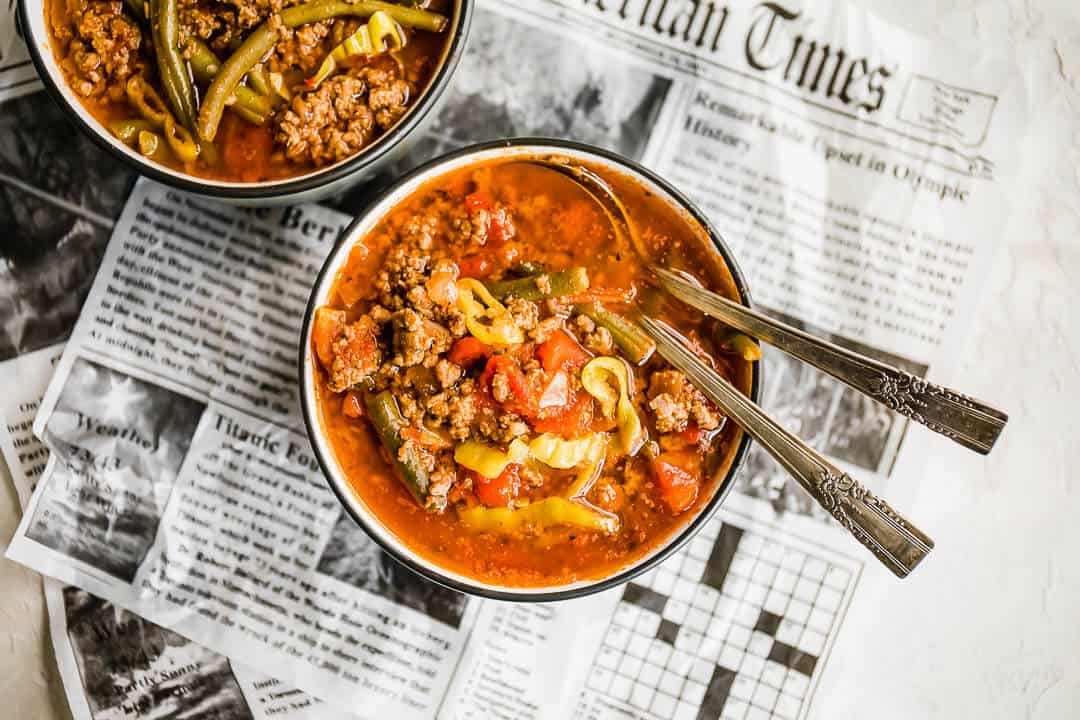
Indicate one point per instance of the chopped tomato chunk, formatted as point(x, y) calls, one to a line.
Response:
point(693, 435)
point(497, 492)
point(525, 400)
point(475, 266)
point(351, 407)
point(571, 421)
point(678, 486)
point(468, 350)
point(478, 200)
point(505, 365)
point(561, 352)
point(500, 227)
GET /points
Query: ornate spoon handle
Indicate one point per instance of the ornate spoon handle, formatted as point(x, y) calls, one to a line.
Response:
point(969, 422)
point(891, 538)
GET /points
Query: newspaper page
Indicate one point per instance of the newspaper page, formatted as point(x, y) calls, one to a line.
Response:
point(17, 75)
point(182, 490)
point(151, 671)
point(858, 173)
point(59, 228)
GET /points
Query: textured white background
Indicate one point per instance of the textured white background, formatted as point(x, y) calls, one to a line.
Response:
point(989, 626)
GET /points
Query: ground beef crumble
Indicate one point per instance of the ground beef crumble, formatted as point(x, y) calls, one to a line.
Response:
point(340, 117)
point(222, 23)
point(304, 47)
point(356, 355)
point(675, 402)
point(103, 50)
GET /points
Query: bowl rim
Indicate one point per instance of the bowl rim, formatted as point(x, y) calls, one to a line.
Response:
point(404, 555)
point(269, 190)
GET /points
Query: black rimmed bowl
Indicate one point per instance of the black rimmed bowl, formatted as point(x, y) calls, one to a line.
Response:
point(380, 155)
point(367, 220)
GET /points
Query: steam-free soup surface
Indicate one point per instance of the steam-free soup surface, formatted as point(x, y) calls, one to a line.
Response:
point(484, 396)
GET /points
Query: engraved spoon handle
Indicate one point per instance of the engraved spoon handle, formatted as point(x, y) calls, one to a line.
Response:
point(893, 540)
point(973, 424)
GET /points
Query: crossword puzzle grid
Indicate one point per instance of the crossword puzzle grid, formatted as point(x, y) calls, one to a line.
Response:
point(732, 626)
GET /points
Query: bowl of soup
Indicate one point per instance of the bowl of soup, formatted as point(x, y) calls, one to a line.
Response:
point(478, 394)
point(248, 101)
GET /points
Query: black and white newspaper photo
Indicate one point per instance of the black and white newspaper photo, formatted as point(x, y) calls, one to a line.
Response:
point(199, 564)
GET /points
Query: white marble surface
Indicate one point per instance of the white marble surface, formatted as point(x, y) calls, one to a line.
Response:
point(989, 627)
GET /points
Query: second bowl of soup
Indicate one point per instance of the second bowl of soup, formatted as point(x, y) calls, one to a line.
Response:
point(476, 391)
point(249, 101)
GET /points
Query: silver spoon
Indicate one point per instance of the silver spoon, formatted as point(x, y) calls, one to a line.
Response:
point(972, 423)
point(968, 421)
point(892, 539)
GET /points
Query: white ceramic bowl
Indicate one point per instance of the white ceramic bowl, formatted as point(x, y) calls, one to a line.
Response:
point(381, 154)
point(365, 222)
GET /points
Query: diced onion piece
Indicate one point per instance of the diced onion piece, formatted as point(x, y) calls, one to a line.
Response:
point(609, 380)
point(557, 392)
point(441, 286)
point(327, 326)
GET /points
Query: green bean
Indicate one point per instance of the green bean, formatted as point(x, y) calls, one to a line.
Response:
point(252, 117)
point(257, 79)
point(164, 26)
point(628, 337)
point(252, 106)
point(545, 285)
point(128, 130)
point(204, 66)
point(526, 268)
point(263, 38)
point(204, 63)
point(385, 416)
point(246, 103)
point(737, 343)
point(152, 146)
point(407, 16)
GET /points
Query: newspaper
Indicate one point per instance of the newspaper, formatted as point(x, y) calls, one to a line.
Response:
point(860, 175)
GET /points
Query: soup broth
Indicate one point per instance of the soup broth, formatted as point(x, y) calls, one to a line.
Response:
point(485, 395)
